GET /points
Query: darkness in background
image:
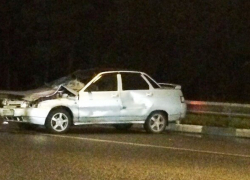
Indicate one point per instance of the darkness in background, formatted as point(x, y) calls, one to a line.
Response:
point(202, 45)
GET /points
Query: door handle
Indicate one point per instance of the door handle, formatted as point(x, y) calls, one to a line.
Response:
point(149, 94)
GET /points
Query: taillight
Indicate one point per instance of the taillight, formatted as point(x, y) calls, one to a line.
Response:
point(182, 99)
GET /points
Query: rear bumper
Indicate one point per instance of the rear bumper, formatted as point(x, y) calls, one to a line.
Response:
point(183, 111)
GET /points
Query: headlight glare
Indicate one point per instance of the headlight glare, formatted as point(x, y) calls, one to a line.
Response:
point(24, 104)
point(5, 102)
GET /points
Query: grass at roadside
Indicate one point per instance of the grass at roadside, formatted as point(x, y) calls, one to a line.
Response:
point(217, 121)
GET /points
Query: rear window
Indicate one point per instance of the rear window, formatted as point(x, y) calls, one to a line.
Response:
point(155, 85)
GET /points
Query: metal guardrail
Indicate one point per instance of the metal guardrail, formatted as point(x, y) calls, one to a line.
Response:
point(217, 108)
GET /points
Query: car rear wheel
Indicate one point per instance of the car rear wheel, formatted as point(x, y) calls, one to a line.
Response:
point(156, 122)
point(58, 121)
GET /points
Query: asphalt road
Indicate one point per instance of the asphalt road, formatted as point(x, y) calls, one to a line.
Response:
point(105, 153)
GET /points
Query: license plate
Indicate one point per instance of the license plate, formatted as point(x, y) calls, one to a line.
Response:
point(8, 112)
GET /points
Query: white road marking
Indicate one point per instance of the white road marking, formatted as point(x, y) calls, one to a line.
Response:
point(149, 145)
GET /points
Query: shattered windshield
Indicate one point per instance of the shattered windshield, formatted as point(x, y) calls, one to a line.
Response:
point(76, 81)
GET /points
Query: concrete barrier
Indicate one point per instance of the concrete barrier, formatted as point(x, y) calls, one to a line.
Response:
point(209, 130)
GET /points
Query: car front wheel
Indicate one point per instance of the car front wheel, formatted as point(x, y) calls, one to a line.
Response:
point(156, 122)
point(58, 121)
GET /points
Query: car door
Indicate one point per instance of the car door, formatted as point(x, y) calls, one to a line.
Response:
point(100, 101)
point(136, 97)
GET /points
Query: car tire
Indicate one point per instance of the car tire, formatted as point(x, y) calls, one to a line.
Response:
point(123, 127)
point(58, 121)
point(156, 122)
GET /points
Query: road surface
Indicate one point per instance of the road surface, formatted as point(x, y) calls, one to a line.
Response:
point(96, 152)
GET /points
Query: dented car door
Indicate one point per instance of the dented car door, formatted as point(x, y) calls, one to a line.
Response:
point(100, 101)
point(136, 97)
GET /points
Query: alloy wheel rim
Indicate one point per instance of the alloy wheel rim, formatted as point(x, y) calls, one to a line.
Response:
point(157, 123)
point(59, 122)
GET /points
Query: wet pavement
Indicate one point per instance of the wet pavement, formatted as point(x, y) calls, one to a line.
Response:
point(100, 152)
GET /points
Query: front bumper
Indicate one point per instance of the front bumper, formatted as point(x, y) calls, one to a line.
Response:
point(27, 115)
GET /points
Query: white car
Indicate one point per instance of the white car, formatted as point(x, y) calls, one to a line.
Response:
point(118, 98)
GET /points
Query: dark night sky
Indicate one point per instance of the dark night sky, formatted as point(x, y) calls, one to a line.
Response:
point(202, 45)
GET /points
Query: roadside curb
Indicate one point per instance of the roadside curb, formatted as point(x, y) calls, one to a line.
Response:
point(209, 130)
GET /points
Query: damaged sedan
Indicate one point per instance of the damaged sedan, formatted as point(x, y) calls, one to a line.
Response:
point(117, 98)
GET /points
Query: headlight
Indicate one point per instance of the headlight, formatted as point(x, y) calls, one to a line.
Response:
point(5, 102)
point(24, 104)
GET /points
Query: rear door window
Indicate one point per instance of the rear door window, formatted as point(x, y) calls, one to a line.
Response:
point(133, 81)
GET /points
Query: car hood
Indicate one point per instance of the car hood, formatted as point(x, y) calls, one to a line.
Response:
point(70, 84)
point(32, 95)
